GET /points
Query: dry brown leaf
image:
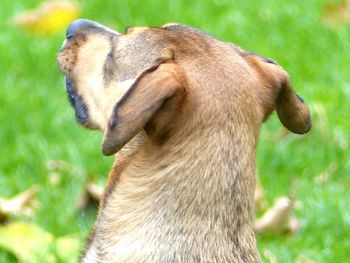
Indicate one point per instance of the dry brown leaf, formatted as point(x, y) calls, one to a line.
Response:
point(30, 243)
point(259, 196)
point(323, 177)
point(270, 256)
point(55, 167)
point(83, 200)
point(91, 192)
point(303, 259)
point(320, 119)
point(276, 218)
point(95, 191)
point(21, 204)
point(277, 135)
point(293, 225)
point(50, 17)
point(54, 178)
point(282, 134)
point(341, 139)
point(336, 14)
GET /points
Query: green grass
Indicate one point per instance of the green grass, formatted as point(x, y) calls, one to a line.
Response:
point(37, 124)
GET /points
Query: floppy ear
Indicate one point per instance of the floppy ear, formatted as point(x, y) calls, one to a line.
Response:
point(143, 99)
point(291, 109)
point(276, 92)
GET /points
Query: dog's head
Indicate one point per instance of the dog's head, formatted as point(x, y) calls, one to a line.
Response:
point(118, 82)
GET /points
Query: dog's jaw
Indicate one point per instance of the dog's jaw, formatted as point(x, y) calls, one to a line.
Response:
point(94, 100)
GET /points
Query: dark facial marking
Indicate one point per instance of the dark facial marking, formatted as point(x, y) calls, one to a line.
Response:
point(300, 98)
point(70, 92)
point(267, 60)
point(81, 112)
point(109, 66)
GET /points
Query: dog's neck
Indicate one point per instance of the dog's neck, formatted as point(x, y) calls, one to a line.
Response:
point(192, 204)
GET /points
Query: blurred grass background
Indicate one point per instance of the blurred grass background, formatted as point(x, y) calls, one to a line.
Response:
point(37, 124)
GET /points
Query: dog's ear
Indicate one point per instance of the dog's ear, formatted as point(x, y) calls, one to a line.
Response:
point(143, 99)
point(276, 92)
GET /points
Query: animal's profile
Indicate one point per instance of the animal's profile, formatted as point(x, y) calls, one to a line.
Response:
point(182, 112)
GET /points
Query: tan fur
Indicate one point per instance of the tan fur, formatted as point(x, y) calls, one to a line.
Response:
point(184, 133)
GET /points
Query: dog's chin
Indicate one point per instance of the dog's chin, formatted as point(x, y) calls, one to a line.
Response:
point(87, 124)
point(81, 110)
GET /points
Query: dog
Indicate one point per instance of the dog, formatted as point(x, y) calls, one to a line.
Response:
point(181, 111)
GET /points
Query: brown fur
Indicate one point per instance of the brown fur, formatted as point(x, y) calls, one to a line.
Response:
point(184, 132)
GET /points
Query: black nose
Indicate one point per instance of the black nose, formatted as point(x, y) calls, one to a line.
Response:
point(79, 25)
